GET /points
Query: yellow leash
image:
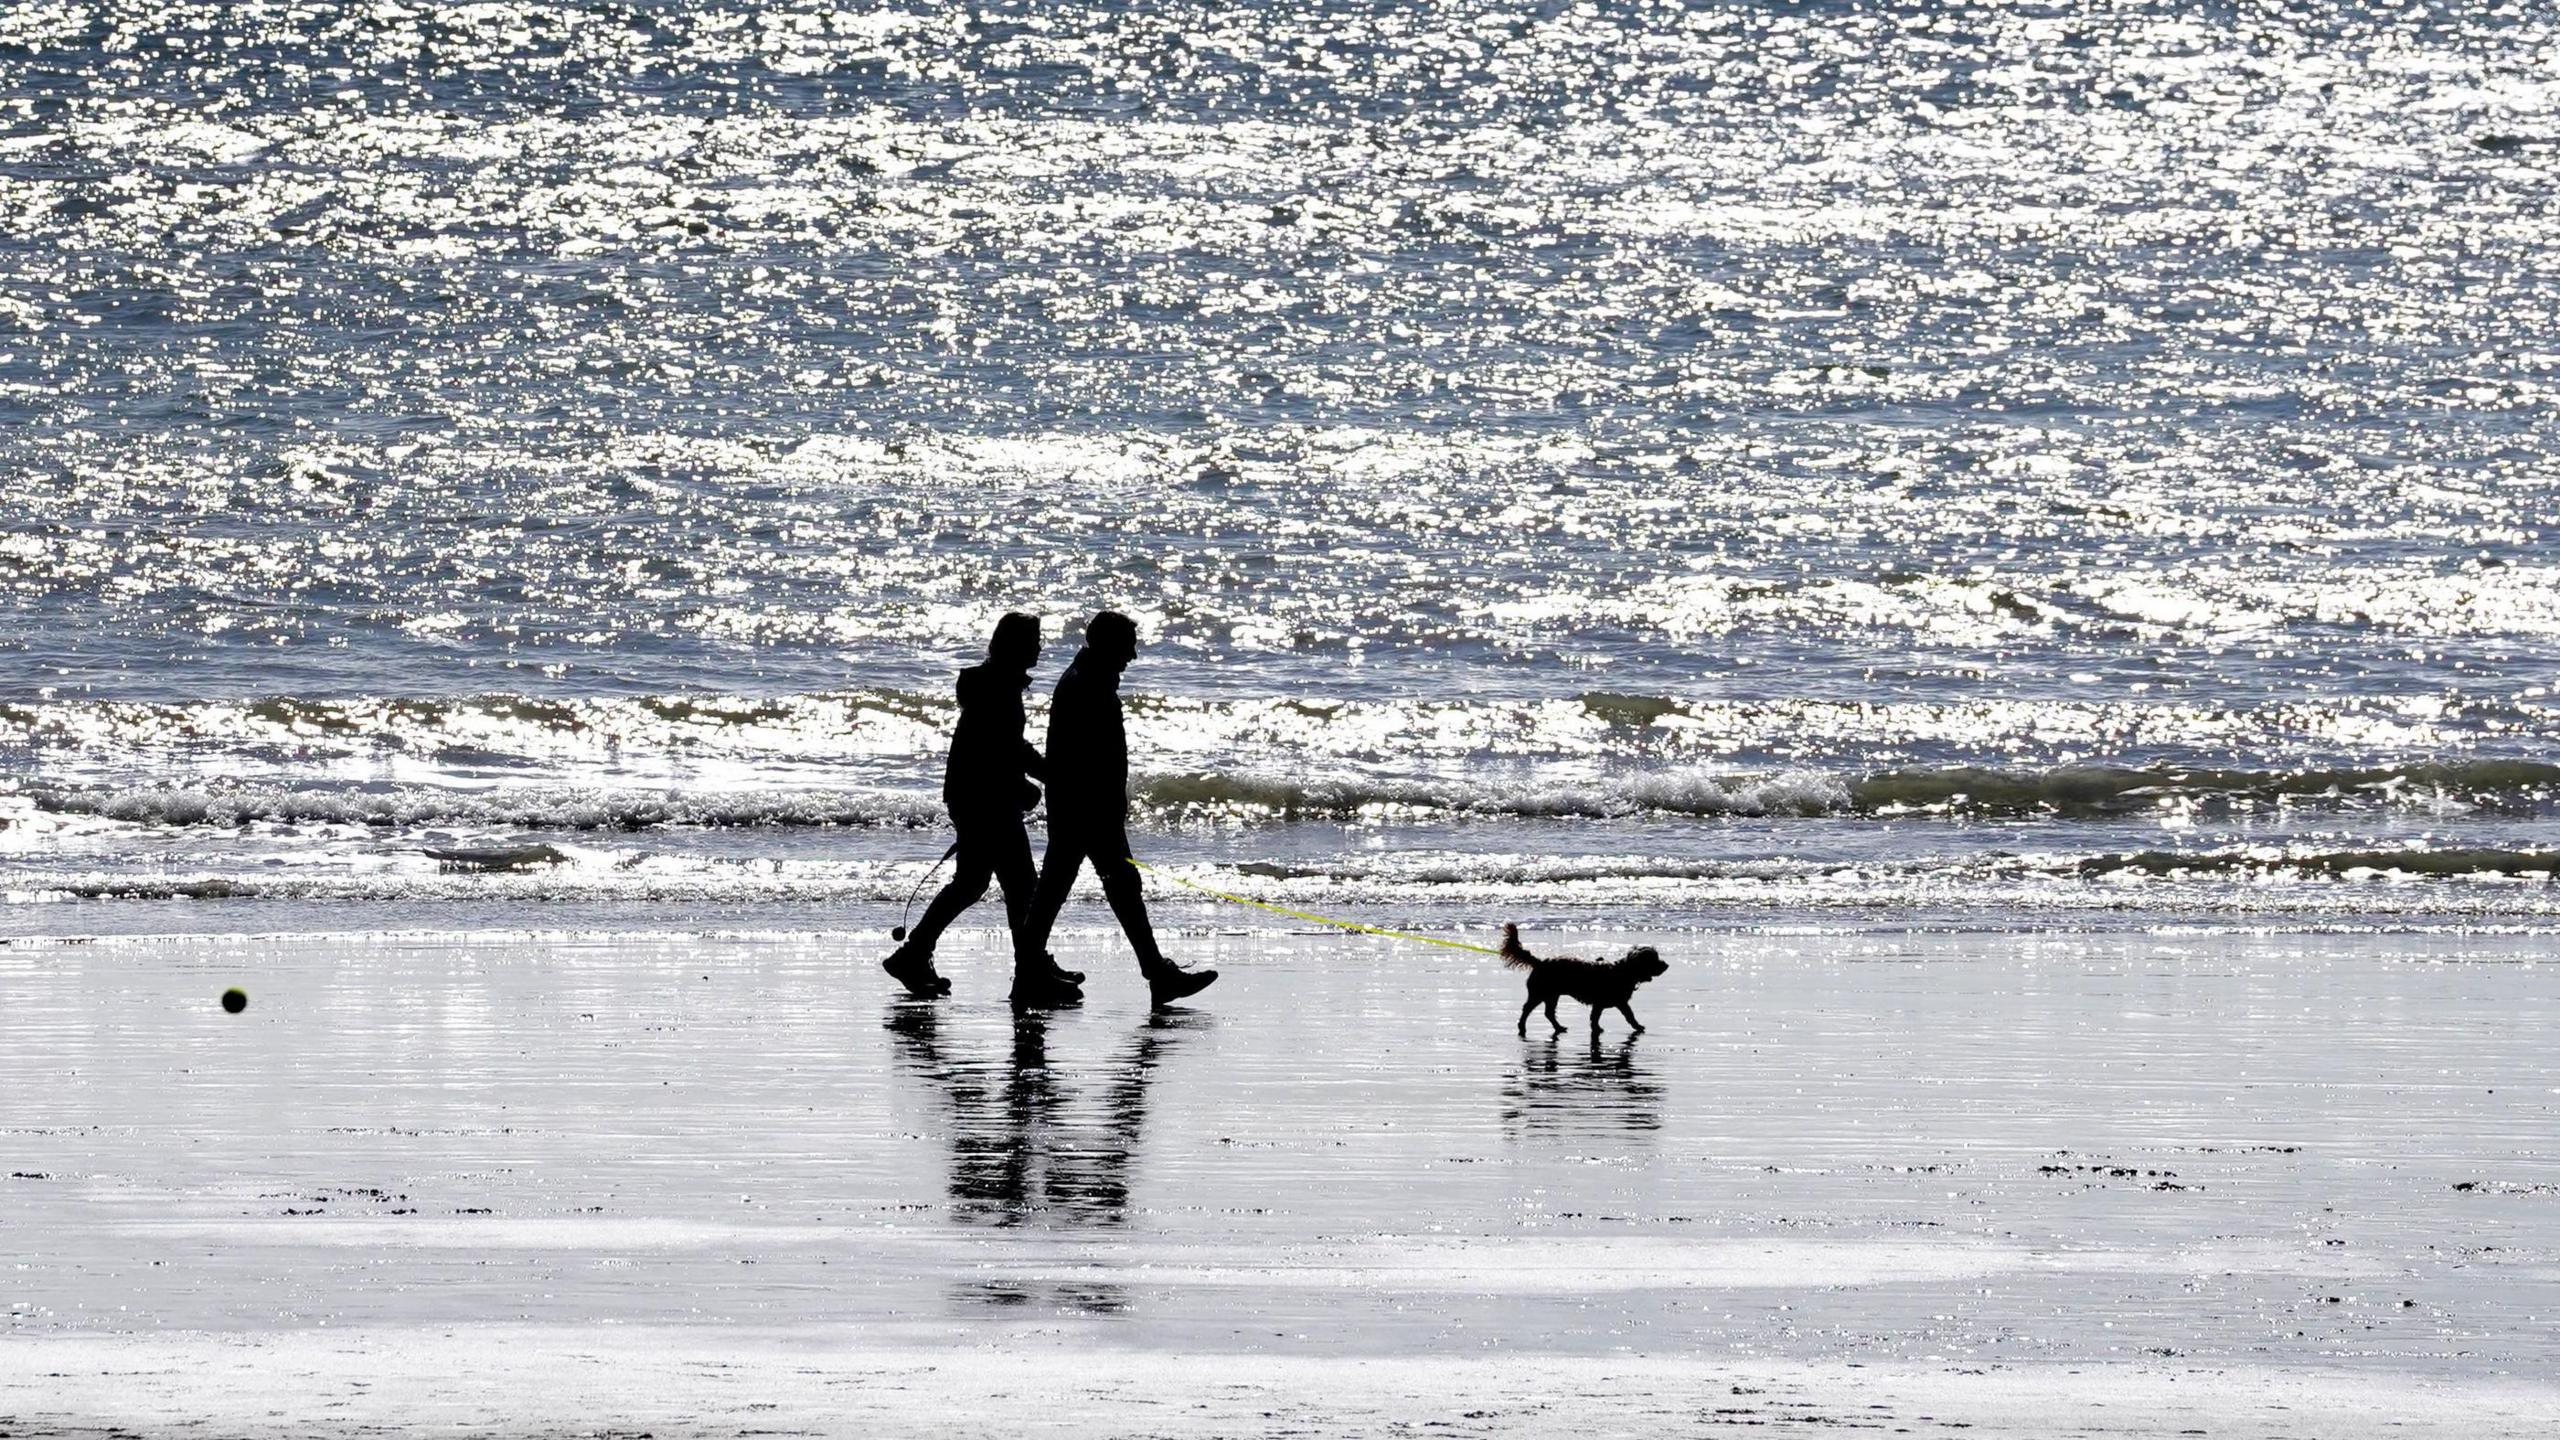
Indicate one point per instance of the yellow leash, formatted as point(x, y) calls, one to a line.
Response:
point(1318, 919)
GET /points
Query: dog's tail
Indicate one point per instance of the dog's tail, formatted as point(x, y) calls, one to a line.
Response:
point(1513, 954)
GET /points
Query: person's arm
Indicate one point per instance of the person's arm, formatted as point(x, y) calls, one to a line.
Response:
point(1070, 735)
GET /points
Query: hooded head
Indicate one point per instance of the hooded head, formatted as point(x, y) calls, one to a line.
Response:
point(1015, 645)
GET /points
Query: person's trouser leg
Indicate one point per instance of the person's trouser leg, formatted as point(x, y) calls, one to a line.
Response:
point(972, 869)
point(1057, 876)
point(1109, 847)
point(1009, 853)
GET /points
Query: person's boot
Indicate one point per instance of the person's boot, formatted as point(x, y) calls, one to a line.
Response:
point(913, 968)
point(1041, 988)
point(1168, 982)
point(1046, 964)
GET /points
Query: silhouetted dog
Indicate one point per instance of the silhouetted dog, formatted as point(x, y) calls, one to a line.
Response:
point(1600, 984)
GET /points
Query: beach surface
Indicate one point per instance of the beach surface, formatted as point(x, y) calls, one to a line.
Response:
point(525, 1183)
point(2013, 542)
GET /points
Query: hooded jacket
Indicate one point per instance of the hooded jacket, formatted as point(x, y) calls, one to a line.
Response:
point(989, 756)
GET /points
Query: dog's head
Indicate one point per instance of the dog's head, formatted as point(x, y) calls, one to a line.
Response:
point(1644, 963)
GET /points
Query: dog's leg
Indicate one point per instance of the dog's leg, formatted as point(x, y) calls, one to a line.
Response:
point(1595, 1023)
point(1632, 1022)
point(1524, 1014)
point(1551, 1014)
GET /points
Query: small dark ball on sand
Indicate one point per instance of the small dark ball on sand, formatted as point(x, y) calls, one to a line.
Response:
point(235, 1000)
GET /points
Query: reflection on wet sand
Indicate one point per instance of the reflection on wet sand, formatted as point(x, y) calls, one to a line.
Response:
point(1031, 1148)
point(441, 1152)
point(1567, 1087)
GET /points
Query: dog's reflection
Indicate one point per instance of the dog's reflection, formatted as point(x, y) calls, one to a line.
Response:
point(1565, 1087)
point(1032, 1148)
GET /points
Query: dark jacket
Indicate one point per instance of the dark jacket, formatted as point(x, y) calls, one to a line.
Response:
point(1088, 746)
point(989, 756)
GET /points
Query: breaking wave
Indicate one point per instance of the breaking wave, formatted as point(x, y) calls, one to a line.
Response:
point(2098, 790)
point(2404, 863)
point(1262, 797)
point(530, 808)
point(2067, 792)
point(1390, 876)
point(511, 733)
point(2303, 882)
point(2078, 792)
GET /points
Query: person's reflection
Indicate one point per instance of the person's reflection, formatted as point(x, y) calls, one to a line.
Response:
point(1029, 1151)
point(1570, 1088)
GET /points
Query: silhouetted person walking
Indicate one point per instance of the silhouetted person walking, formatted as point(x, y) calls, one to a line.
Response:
point(1089, 802)
point(987, 786)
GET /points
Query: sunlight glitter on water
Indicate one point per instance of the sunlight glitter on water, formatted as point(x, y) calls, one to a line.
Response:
point(406, 406)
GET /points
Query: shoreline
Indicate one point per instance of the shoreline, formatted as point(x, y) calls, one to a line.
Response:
point(1086, 921)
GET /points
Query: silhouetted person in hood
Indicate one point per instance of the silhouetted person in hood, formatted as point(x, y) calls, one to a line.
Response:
point(1089, 803)
point(987, 786)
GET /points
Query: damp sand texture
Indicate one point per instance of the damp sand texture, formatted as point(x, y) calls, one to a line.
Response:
point(2034, 1185)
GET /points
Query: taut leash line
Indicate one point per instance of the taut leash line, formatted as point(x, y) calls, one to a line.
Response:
point(1318, 919)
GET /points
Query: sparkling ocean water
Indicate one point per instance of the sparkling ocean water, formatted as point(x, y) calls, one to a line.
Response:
point(1825, 464)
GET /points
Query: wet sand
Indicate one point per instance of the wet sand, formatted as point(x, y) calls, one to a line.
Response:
point(2051, 1184)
